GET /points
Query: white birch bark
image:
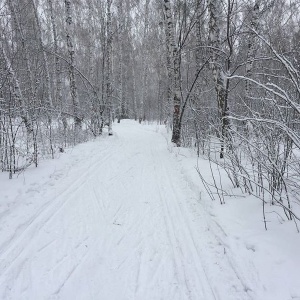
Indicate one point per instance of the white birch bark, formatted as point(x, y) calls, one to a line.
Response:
point(58, 103)
point(174, 54)
point(71, 67)
point(17, 92)
point(251, 46)
point(169, 71)
point(23, 42)
point(199, 30)
point(49, 103)
point(217, 67)
point(109, 67)
point(144, 64)
point(135, 112)
point(120, 54)
point(58, 75)
point(95, 107)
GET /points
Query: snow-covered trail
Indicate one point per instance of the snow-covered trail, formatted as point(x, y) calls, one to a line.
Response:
point(122, 223)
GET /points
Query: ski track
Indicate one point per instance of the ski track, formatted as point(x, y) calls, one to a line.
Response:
point(122, 225)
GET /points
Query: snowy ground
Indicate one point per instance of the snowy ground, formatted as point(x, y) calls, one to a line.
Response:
point(126, 217)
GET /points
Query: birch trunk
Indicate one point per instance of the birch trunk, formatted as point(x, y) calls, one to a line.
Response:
point(120, 50)
point(58, 81)
point(58, 77)
point(49, 103)
point(174, 54)
point(17, 25)
point(144, 65)
point(221, 84)
point(199, 30)
point(135, 114)
point(169, 72)
point(17, 92)
point(71, 66)
point(251, 47)
point(15, 85)
point(95, 105)
point(109, 67)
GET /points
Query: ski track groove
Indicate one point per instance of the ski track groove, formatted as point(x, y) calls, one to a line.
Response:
point(177, 245)
point(217, 237)
point(70, 274)
point(170, 230)
point(44, 216)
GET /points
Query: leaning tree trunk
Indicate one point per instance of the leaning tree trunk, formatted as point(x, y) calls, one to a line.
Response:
point(174, 55)
point(71, 66)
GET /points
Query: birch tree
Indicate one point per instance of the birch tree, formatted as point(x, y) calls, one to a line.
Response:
point(144, 64)
point(121, 110)
point(71, 67)
point(174, 55)
point(217, 66)
point(59, 103)
point(251, 45)
point(109, 67)
point(17, 91)
point(23, 44)
point(48, 103)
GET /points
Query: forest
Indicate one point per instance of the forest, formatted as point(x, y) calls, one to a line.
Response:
point(222, 75)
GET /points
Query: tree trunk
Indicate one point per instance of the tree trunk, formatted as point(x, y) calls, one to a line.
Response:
point(120, 54)
point(109, 67)
point(49, 103)
point(251, 48)
point(18, 28)
point(135, 112)
point(174, 55)
point(17, 92)
point(144, 64)
point(221, 84)
point(58, 102)
point(71, 66)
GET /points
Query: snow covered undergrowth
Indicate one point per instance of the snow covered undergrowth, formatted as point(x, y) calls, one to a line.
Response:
point(127, 217)
point(274, 254)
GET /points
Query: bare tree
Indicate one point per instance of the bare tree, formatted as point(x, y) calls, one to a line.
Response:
point(173, 54)
point(109, 67)
point(71, 67)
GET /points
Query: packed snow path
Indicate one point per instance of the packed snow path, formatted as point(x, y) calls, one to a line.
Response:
point(121, 223)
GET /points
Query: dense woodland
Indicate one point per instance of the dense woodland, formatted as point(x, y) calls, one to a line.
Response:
point(223, 75)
